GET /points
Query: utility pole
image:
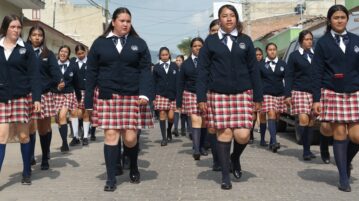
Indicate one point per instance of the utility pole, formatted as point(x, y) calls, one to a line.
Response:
point(107, 12)
point(53, 16)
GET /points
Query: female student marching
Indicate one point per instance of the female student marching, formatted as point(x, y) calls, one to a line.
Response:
point(119, 64)
point(178, 113)
point(65, 99)
point(19, 76)
point(186, 94)
point(272, 75)
point(50, 76)
point(228, 58)
point(164, 76)
point(335, 71)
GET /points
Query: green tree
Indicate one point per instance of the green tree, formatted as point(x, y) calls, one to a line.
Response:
point(185, 46)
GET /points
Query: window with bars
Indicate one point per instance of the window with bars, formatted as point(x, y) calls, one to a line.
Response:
point(36, 14)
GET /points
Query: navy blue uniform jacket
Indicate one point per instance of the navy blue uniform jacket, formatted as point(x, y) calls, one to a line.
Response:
point(165, 83)
point(273, 81)
point(186, 79)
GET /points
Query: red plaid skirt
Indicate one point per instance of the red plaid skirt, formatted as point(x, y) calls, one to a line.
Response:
point(47, 107)
point(16, 111)
point(190, 103)
point(123, 112)
point(81, 104)
point(210, 116)
point(162, 103)
point(230, 110)
point(301, 103)
point(275, 103)
point(339, 107)
point(67, 100)
point(94, 114)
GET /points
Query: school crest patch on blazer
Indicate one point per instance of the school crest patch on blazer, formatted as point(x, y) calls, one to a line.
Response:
point(281, 68)
point(71, 74)
point(174, 72)
point(242, 46)
point(356, 49)
point(22, 50)
point(134, 47)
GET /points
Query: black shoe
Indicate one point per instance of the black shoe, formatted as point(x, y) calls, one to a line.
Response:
point(203, 152)
point(26, 180)
point(183, 132)
point(119, 170)
point(349, 170)
point(74, 142)
point(325, 157)
point(135, 176)
point(250, 141)
point(65, 148)
point(307, 157)
point(164, 143)
point(274, 147)
point(45, 165)
point(263, 144)
point(110, 188)
point(236, 168)
point(226, 186)
point(93, 138)
point(175, 132)
point(196, 156)
point(345, 188)
point(33, 161)
point(85, 142)
point(216, 168)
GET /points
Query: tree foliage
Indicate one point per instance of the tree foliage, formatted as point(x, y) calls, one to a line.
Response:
point(185, 46)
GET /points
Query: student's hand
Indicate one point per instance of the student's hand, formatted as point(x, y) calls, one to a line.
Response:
point(202, 106)
point(37, 106)
point(316, 108)
point(257, 106)
point(142, 101)
point(61, 86)
point(288, 101)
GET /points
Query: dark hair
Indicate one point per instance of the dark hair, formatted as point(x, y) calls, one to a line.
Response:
point(68, 48)
point(180, 56)
point(233, 9)
point(45, 50)
point(269, 44)
point(213, 23)
point(302, 35)
point(6, 22)
point(334, 9)
point(117, 12)
point(163, 49)
point(80, 47)
point(259, 49)
point(196, 39)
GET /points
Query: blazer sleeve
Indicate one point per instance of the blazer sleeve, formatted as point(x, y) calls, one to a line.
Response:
point(204, 64)
point(318, 69)
point(55, 72)
point(91, 75)
point(254, 73)
point(288, 76)
point(34, 74)
point(180, 86)
point(146, 81)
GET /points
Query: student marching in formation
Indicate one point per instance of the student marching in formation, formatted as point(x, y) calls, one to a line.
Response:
point(19, 87)
point(228, 59)
point(65, 99)
point(119, 64)
point(164, 76)
point(298, 89)
point(50, 76)
point(80, 67)
point(187, 100)
point(336, 89)
point(272, 75)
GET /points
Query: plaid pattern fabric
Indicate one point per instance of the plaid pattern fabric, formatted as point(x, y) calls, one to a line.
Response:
point(339, 107)
point(81, 104)
point(209, 116)
point(5, 113)
point(231, 110)
point(273, 103)
point(301, 103)
point(94, 114)
point(67, 100)
point(123, 112)
point(190, 103)
point(47, 107)
point(20, 109)
point(162, 103)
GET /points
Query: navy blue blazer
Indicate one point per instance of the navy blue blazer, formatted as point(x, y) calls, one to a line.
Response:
point(165, 83)
point(273, 81)
point(79, 78)
point(334, 69)
point(50, 72)
point(20, 74)
point(68, 77)
point(125, 73)
point(298, 74)
point(228, 72)
point(186, 79)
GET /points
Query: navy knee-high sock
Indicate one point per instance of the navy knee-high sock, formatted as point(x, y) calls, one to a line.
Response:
point(133, 155)
point(223, 149)
point(26, 158)
point(252, 130)
point(119, 156)
point(352, 151)
point(2, 154)
point(63, 134)
point(303, 131)
point(93, 131)
point(111, 155)
point(262, 129)
point(324, 143)
point(213, 141)
point(189, 124)
point(163, 129)
point(272, 131)
point(203, 137)
point(196, 139)
point(340, 148)
point(49, 135)
point(176, 119)
point(32, 143)
point(44, 146)
point(169, 127)
point(236, 154)
point(183, 121)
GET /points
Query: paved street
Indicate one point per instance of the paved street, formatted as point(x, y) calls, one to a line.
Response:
point(170, 173)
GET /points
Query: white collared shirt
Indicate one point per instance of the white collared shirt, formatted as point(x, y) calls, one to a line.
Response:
point(193, 58)
point(38, 48)
point(81, 62)
point(118, 45)
point(168, 64)
point(301, 51)
point(8, 52)
point(341, 43)
point(221, 34)
point(272, 66)
point(67, 63)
